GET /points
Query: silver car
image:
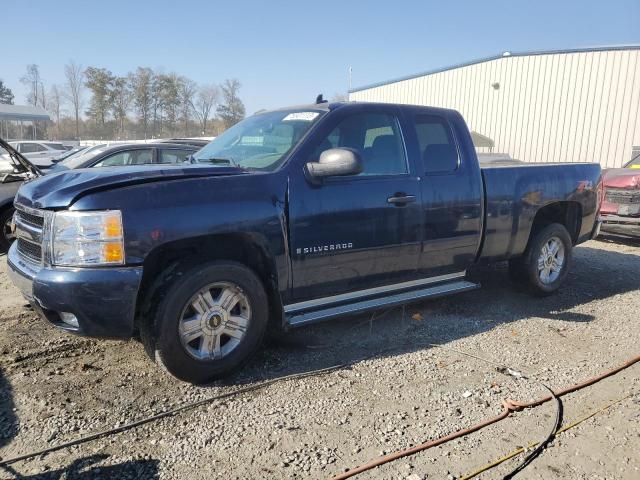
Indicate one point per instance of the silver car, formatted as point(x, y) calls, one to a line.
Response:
point(40, 153)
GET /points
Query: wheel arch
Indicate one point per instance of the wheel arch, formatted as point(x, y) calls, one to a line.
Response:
point(248, 249)
point(567, 213)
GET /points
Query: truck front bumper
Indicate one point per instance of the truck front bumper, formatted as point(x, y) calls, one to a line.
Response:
point(621, 225)
point(98, 302)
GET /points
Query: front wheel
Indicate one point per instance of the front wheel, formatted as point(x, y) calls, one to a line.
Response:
point(7, 236)
point(545, 263)
point(208, 322)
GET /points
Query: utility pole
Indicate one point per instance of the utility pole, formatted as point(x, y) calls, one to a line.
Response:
point(350, 76)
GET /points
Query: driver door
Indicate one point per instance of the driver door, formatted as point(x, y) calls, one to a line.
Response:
point(350, 233)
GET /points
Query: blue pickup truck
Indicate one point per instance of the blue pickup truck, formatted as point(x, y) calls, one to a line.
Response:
point(290, 217)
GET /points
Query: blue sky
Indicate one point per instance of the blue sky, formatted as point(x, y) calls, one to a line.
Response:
point(286, 52)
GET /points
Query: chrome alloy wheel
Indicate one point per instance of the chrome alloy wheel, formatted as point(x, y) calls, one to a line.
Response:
point(551, 260)
point(214, 321)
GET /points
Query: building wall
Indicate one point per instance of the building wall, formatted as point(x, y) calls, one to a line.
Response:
point(555, 107)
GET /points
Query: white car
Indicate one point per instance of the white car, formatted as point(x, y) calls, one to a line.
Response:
point(39, 153)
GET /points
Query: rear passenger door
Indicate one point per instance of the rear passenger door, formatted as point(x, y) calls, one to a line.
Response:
point(451, 189)
point(356, 232)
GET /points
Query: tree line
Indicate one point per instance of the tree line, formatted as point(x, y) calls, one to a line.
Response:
point(95, 103)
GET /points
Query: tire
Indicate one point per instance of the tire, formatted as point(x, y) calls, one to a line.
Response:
point(6, 237)
point(199, 338)
point(541, 271)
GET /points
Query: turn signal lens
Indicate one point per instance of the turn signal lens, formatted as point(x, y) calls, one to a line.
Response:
point(112, 252)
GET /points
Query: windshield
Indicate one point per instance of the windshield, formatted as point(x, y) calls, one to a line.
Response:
point(260, 142)
point(79, 158)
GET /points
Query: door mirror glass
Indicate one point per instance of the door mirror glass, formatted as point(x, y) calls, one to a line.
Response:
point(336, 162)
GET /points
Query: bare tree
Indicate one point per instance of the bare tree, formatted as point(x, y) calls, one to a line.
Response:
point(55, 106)
point(187, 92)
point(121, 97)
point(206, 100)
point(142, 86)
point(232, 110)
point(75, 80)
point(33, 82)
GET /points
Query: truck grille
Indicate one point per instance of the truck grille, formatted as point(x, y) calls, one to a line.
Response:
point(29, 251)
point(622, 196)
point(29, 226)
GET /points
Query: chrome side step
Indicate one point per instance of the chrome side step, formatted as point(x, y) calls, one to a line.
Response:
point(299, 318)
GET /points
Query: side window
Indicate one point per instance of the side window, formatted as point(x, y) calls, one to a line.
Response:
point(376, 136)
point(31, 148)
point(131, 157)
point(173, 155)
point(437, 146)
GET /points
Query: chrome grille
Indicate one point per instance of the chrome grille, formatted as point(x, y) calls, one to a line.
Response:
point(29, 225)
point(30, 251)
point(622, 196)
point(30, 218)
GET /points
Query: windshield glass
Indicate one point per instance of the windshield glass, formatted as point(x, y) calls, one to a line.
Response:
point(260, 142)
point(78, 159)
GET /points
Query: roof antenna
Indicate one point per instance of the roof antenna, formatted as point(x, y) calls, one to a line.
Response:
point(319, 99)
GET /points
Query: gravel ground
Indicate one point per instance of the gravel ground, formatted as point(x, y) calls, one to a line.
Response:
point(397, 391)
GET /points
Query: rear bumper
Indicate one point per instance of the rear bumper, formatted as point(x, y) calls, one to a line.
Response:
point(103, 300)
point(621, 225)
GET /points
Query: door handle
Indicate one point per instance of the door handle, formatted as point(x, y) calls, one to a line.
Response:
point(400, 199)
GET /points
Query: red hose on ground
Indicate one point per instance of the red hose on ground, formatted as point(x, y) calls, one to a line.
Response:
point(508, 405)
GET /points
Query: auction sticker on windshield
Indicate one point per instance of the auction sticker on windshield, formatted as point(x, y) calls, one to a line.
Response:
point(301, 116)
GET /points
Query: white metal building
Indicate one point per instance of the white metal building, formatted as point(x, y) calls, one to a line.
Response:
point(557, 106)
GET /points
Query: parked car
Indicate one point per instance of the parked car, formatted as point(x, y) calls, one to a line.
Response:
point(127, 154)
point(20, 170)
point(39, 153)
point(66, 154)
point(98, 156)
point(290, 217)
point(620, 212)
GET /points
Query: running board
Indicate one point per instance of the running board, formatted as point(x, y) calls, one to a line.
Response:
point(297, 319)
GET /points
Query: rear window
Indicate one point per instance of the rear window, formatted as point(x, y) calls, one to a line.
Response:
point(437, 146)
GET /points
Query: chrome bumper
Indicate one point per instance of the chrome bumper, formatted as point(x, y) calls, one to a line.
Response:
point(620, 225)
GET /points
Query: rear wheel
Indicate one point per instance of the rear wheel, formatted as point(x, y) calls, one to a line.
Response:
point(545, 263)
point(7, 236)
point(209, 321)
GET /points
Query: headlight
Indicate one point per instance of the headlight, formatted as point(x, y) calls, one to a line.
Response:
point(87, 238)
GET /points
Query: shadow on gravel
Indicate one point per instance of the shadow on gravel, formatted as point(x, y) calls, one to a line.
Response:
point(81, 469)
point(596, 274)
point(85, 469)
point(619, 239)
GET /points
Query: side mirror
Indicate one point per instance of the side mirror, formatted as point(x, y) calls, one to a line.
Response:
point(335, 162)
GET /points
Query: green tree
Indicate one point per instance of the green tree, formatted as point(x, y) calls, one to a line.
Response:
point(100, 82)
point(231, 110)
point(6, 95)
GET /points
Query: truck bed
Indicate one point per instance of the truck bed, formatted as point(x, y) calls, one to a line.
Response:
point(514, 194)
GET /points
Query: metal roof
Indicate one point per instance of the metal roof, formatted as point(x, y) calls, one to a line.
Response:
point(22, 112)
point(506, 54)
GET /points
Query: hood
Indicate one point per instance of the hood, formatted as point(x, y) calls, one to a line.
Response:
point(59, 190)
point(621, 178)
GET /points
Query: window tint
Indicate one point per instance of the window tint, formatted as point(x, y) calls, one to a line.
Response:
point(31, 148)
point(131, 157)
point(376, 136)
point(173, 155)
point(437, 147)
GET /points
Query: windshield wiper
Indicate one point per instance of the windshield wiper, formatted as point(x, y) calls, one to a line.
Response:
point(223, 160)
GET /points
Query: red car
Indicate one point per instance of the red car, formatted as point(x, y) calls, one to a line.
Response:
point(620, 211)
